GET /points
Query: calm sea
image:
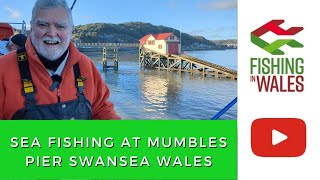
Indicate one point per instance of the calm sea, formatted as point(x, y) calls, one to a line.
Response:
point(153, 94)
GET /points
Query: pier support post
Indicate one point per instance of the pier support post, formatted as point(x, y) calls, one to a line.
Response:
point(110, 54)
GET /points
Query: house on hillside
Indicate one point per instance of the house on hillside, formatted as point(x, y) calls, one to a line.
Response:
point(165, 43)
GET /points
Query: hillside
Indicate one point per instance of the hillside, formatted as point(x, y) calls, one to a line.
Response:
point(131, 32)
point(228, 43)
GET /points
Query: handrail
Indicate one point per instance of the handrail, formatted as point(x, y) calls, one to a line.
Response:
point(23, 26)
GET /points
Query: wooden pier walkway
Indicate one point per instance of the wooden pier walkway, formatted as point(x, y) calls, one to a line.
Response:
point(183, 63)
point(101, 45)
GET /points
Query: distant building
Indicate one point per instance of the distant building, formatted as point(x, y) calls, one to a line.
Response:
point(232, 45)
point(165, 43)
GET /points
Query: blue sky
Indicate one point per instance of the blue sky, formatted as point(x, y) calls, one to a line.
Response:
point(213, 19)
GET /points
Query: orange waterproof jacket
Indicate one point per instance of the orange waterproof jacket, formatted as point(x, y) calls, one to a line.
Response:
point(11, 98)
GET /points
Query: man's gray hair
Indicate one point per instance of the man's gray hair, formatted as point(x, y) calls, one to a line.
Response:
point(50, 4)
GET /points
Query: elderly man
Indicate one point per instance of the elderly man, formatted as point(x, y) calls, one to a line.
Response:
point(50, 78)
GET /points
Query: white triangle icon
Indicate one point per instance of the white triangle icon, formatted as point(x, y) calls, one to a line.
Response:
point(278, 137)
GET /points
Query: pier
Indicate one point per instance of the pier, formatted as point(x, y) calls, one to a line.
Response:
point(169, 62)
point(108, 45)
point(110, 54)
point(183, 63)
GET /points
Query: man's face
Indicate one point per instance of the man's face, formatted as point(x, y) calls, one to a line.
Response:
point(51, 33)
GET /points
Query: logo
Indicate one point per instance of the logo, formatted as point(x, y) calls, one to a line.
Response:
point(278, 137)
point(276, 73)
point(273, 26)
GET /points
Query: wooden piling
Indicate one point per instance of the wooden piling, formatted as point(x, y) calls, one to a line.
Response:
point(110, 54)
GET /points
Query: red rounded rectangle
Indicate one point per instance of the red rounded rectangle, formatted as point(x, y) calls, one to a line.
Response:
point(278, 137)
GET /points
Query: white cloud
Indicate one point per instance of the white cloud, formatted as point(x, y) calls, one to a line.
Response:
point(13, 13)
point(219, 5)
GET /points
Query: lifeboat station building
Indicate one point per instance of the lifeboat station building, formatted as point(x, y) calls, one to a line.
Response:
point(164, 43)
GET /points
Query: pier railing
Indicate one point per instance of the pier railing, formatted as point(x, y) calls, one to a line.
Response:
point(101, 45)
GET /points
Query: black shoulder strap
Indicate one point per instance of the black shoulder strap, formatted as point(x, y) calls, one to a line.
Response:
point(28, 88)
point(79, 80)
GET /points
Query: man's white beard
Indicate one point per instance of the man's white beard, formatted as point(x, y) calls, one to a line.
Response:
point(49, 54)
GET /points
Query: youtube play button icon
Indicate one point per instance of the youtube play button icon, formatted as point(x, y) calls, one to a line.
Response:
point(278, 137)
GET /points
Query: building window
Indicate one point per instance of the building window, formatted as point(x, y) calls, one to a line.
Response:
point(171, 37)
point(151, 43)
point(160, 46)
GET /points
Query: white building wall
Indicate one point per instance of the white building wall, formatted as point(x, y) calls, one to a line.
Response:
point(156, 45)
point(164, 49)
point(151, 38)
point(163, 43)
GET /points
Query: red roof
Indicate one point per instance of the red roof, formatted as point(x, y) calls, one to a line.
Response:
point(161, 36)
point(145, 38)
